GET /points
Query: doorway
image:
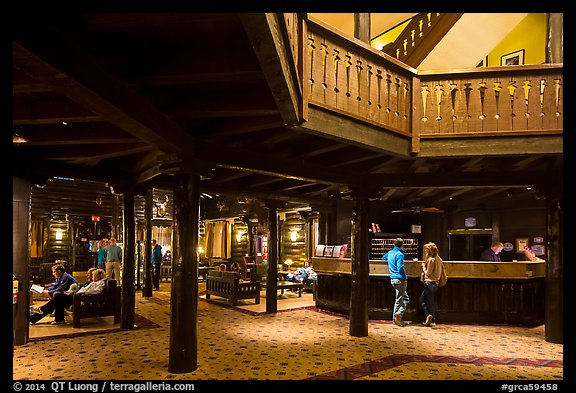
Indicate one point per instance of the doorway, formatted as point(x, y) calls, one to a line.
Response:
point(468, 244)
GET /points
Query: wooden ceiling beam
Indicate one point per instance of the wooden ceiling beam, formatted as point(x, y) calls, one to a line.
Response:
point(49, 57)
point(265, 33)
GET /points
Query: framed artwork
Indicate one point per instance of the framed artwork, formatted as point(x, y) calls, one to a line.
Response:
point(328, 251)
point(514, 58)
point(520, 244)
point(319, 250)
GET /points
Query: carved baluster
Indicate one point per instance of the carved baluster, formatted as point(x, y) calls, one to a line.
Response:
point(406, 103)
point(512, 93)
point(424, 92)
point(388, 83)
point(336, 61)
point(412, 35)
point(398, 84)
point(542, 87)
point(369, 73)
point(453, 93)
point(398, 53)
point(482, 89)
point(557, 85)
point(429, 15)
point(379, 82)
point(467, 90)
point(311, 48)
point(527, 86)
point(359, 76)
point(497, 87)
point(404, 44)
point(347, 63)
point(439, 92)
point(324, 50)
point(420, 24)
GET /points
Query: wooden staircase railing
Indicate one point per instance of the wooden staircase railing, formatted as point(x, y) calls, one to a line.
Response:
point(420, 36)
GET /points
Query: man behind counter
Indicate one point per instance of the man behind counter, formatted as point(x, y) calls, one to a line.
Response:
point(492, 253)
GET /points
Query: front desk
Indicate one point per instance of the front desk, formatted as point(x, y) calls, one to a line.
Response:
point(477, 292)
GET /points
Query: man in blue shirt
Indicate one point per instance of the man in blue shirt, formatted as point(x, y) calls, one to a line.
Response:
point(398, 279)
point(156, 263)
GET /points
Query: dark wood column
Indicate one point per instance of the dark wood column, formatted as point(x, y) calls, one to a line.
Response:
point(20, 221)
point(554, 38)
point(360, 267)
point(128, 302)
point(553, 316)
point(272, 277)
point(183, 356)
point(362, 27)
point(148, 208)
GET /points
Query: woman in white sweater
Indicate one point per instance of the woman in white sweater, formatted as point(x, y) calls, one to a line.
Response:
point(431, 271)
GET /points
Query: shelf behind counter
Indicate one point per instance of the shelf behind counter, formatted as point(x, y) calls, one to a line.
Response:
point(477, 291)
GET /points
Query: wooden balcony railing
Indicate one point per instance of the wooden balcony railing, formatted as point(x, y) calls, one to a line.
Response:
point(349, 77)
point(499, 100)
point(346, 76)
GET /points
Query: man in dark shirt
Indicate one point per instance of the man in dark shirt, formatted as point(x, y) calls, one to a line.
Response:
point(492, 253)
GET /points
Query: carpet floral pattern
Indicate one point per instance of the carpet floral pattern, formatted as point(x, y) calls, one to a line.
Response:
point(301, 343)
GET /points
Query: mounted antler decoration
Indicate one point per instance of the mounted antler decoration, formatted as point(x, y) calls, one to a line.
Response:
point(161, 206)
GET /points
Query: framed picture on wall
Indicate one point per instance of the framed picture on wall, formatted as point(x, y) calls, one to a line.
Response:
point(514, 58)
point(520, 244)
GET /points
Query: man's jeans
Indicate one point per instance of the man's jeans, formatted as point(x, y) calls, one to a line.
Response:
point(402, 298)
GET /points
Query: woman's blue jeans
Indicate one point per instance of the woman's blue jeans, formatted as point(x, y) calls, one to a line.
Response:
point(427, 301)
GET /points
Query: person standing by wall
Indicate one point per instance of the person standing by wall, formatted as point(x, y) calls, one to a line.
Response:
point(399, 280)
point(102, 254)
point(431, 271)
point(113, 260)
point(156, 264)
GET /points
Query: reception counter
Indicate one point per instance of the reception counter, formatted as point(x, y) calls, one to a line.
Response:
point(477, 292)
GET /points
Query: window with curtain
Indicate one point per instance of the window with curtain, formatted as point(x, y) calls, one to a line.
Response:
point(37, 239)
point(217, 239)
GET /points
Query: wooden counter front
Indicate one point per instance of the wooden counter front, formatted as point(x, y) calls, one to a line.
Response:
point(477, 291)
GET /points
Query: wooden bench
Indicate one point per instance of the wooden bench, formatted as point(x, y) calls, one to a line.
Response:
point(228, 285)
point(104, 304)
point(166, 271)
point(282, 285)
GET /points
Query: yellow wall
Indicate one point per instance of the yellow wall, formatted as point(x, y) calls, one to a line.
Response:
point(530, 35)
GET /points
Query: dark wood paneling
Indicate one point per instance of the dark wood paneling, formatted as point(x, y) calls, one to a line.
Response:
point(476, 301)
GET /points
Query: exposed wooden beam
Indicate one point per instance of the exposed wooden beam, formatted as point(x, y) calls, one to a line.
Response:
point(491, 146)
point(51, 58)
point(342, 129)
point(264, 32)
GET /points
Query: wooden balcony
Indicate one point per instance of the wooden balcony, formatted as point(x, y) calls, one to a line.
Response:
point(345, 82)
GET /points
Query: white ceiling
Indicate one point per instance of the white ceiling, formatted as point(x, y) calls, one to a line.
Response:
point(465, 45)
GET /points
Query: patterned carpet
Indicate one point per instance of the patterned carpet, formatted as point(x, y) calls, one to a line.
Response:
point(297, 343)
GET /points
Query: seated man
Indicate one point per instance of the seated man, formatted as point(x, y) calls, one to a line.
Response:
point(62, 283)
point(60, 300)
